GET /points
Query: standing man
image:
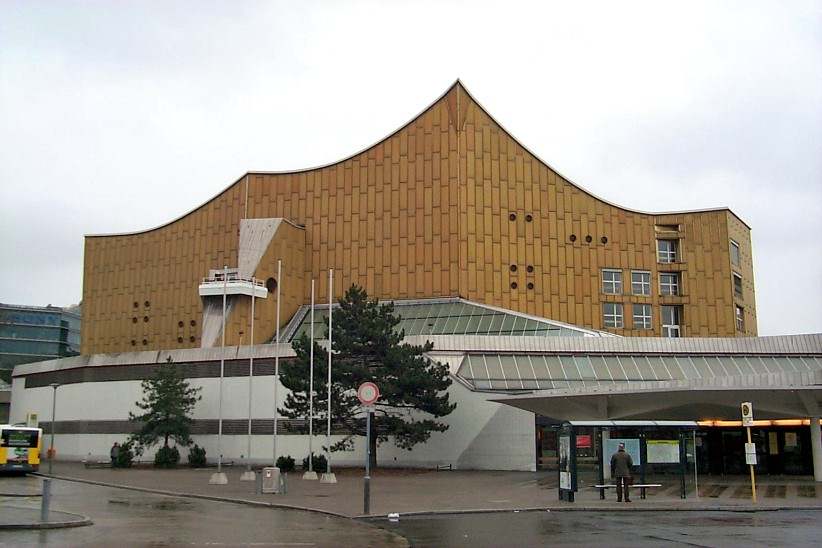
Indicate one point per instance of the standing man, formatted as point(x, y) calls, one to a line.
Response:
point(621, 464)
point(115, 452)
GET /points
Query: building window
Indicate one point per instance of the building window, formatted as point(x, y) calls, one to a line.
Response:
point(669, 283)
point(737, 285)
point(667, 251)
point(642, 316)
point(640, 282)
point(740, 318)
point(672, 321)
point(734, 253)
point(612, 314)
point(612, 282)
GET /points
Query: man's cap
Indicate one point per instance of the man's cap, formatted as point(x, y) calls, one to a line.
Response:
point(622, 446)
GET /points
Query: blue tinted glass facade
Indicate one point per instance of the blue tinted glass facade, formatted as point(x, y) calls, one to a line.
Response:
point(30, 334)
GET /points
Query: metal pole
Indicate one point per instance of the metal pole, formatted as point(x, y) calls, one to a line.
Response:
point(222, 372)
point(328, 428)
point(753, 478)
point(366, 505)
point(277, 356)
point(696, 470)
point(54, 386)
point(250, 367)
point(311, 389)
point(45, 503)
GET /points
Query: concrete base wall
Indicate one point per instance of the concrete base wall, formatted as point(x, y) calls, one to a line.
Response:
point(481, 434)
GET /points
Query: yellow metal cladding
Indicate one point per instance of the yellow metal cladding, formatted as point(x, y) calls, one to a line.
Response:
point(448, 205)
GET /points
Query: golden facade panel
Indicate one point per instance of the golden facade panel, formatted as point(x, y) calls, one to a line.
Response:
point(449, 205)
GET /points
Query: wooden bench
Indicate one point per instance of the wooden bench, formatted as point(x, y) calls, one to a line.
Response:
point(641, 486)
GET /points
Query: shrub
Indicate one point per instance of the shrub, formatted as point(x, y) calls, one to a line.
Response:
point(167, 457)
point(286, 464)
point(197, 457)
point(318, 463)
point(125, 457)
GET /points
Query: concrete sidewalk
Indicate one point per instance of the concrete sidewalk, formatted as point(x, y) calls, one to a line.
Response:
point(424, 491)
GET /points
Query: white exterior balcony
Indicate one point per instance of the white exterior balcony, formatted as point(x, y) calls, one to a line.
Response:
point(233, 284)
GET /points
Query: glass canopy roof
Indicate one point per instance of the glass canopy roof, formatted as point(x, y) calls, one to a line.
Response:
point(502, 372)
point(449, 317)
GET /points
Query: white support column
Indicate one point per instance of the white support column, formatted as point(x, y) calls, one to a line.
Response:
point(816, 448)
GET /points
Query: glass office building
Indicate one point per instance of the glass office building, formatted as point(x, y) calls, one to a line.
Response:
point(36, 333)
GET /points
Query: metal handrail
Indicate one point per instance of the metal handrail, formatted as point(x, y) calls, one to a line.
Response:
point(234, 279)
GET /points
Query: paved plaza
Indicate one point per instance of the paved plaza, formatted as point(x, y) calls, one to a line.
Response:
point(429, 491)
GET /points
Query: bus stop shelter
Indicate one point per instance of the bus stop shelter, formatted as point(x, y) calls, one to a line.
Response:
point(654, 446)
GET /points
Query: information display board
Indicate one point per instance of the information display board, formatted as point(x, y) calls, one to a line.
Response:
point(663, 451)
point(631, 447)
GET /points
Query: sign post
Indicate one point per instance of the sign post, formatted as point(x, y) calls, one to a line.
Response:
point(750, 448)
point(368, 393)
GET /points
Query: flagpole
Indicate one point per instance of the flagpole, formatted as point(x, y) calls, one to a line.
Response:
point(277, 356)
point(219, 478)
point(248, 475)
point(311, 474)
point(329, 477)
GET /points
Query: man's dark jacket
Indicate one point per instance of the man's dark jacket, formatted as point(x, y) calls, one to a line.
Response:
point(621, 464)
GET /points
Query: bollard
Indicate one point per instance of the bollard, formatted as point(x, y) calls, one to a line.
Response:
point(46, 501)
point(258, 483)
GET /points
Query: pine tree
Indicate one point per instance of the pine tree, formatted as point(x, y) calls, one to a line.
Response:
point(167, 401)
point(366, 347)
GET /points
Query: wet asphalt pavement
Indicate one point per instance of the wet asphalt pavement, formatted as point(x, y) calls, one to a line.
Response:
point(772, 529)
point(128, 518)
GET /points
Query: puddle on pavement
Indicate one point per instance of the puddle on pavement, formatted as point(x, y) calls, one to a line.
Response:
point(172, 504)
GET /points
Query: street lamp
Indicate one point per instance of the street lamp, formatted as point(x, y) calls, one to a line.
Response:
point(54, 387)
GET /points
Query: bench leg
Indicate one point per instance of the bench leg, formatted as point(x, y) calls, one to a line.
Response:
point(642, 493)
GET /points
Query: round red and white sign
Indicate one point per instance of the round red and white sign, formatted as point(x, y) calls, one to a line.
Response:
point(368, 393)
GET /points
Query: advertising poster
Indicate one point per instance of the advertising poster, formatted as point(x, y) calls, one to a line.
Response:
point(565, 462)
point(663, 451)
point(631, 447)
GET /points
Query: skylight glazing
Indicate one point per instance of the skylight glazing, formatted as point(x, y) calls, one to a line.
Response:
point(534, 372)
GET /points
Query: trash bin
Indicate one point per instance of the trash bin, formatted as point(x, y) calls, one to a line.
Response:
point(271, 479)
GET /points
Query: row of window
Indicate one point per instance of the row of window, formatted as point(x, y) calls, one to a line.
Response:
point(613, 316)
point(667, 251)
point(669, 282)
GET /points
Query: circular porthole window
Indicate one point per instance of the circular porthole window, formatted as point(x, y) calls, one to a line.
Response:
point(191, 338)
point(513, 268)
point(530, 285)
point(512, 216)
point(271, 285)
point(145, 319)
point(179, 339)
point(573, 237)
point(136, 304)
point(604, 239)
point(133, 342)
point(588, 238)
point(147, 304)
point(134, 319)
point(514, 285)
point(145, 342)
point(530, 268)
point(192, 323)
point(529, 218)
point(180, 323)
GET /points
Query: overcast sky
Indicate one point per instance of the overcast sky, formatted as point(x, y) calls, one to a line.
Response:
point(119, 116)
